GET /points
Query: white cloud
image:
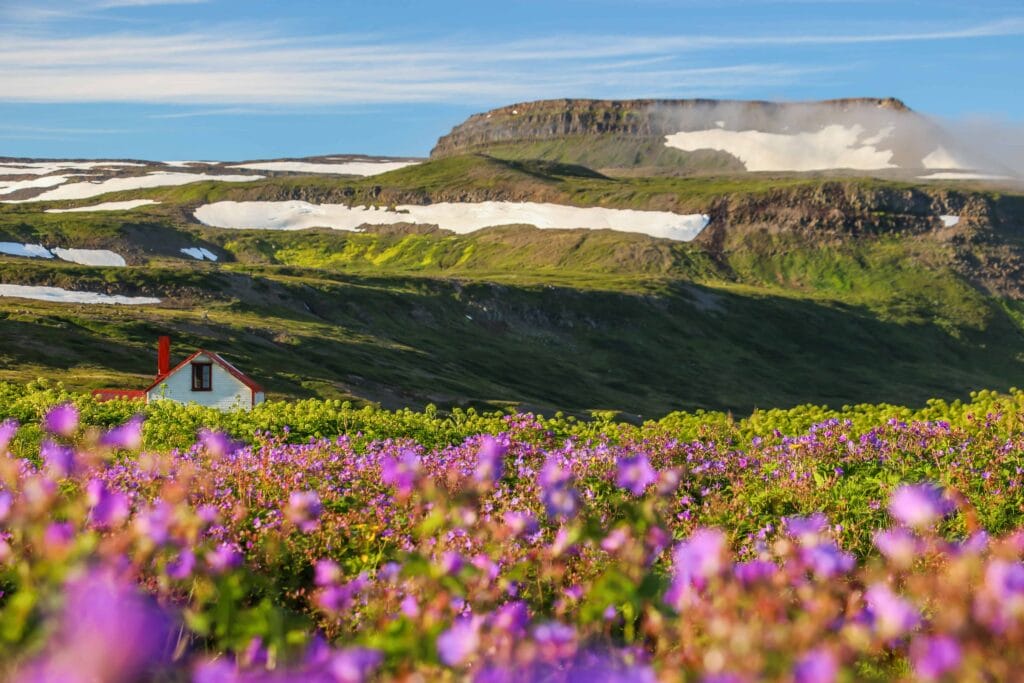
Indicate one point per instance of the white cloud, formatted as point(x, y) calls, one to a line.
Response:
point(231, 66)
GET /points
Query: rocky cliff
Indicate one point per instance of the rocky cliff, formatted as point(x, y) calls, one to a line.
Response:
point(552, 119)
point(701, 136)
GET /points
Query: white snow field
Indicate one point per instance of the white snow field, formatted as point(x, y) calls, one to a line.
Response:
point(66, 296)
point(108, 206)
point(12, 186)
point(360, 168)
point(157, 179)
point(966, 175)
point(91, 257)
point(461, 218)
point(833, 147)
point(949, 221)
point(27, 250)
point(199, 253)
point(48, 167)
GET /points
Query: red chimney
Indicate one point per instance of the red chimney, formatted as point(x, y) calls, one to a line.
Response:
point(163, 359)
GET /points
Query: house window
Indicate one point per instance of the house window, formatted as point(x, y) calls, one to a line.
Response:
point(202, 377)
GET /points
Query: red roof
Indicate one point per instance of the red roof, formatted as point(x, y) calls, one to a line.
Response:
point(115, 394)
point(235, 372)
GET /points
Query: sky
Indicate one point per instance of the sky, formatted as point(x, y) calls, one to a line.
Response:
point(261, 79)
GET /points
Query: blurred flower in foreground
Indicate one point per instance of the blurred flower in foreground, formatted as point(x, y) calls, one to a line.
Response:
point(400, 472)
point(107, 632)
point(918, 505)
point(62, 420)
point(8, 428)
point(817, 666)
point(128, 435)
point(893, 616)
point(304, 509)
point(459, 642)
point(934, 657)
point(635, 474)
point(490, 460)
point(108, 508)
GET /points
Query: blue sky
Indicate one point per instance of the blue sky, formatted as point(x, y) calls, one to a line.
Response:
point(246, 79)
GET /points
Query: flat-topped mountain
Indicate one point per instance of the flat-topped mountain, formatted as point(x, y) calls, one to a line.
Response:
point(877, 135)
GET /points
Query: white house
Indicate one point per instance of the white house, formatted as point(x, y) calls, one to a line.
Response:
point(204, 378)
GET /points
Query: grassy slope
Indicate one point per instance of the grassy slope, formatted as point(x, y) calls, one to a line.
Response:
point(571, 319)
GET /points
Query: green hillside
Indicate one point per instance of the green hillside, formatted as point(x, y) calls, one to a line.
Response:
point(803, 290)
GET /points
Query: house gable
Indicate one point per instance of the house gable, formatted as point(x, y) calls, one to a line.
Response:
point(229, 388)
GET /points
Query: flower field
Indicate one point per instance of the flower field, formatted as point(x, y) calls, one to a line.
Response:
point(314, 541)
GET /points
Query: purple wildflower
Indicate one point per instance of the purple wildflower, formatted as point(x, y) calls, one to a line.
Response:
point(224, 558)
point(109, 508)
point(62, 420)
point(451, 563)
point(898, 545)
point(892, 615)
point(934, 657)
point(8, 428)
point(490, 460)
point(699, 557)
point(107, 632)
point(58, 537)
point(326, 573)
point(459, 642)
point(355, 664)
point(521, 523)
point(918, 505)
point(217, 444)
point(827, 561)
point(59, 460)
point(6, 503)
point(401, 472)
point(635, 474)
point(560, 499)
point(806, 529)
point(127, 436)
point(817, 666)
point(511, 618)
point(754, 571)
point(304, 509)
point(556, 641)
point(180, 568)
point(154, 524)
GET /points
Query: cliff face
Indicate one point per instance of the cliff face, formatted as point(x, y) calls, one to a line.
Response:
point(553, 119)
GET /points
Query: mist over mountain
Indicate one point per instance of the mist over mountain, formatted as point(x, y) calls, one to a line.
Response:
point(877, 136)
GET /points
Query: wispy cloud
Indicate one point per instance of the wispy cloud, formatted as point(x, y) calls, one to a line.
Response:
point(231, 67)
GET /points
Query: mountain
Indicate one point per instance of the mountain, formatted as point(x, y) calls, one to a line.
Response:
point(634, 290)
point(881, 136)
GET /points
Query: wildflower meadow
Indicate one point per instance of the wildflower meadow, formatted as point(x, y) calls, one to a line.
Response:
point(809, 545)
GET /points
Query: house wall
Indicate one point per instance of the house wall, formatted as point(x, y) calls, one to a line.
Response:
point(227, 391)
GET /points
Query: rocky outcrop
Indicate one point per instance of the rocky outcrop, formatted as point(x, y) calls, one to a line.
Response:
point(554, 119)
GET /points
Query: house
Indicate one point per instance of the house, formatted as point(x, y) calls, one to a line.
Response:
point(204, 378)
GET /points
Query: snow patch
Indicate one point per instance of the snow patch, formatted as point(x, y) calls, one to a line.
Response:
point(44, 182)
point(949, 221)
point(91, 257)
point(65, 296)
point(28, 250)
point(157, 179)
point(48, 167)
point(965, 175)
point(108, 206)
point(461, 218)
point(199, 253)
point(359, 168)
point(834, 146)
